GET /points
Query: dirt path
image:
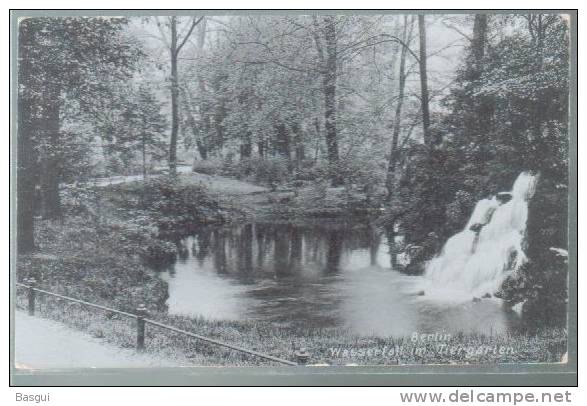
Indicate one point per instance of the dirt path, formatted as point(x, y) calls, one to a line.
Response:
point(42, 344)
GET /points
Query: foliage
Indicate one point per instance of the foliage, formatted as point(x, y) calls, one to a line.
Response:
point(508, 114)
point(136, 130)
point(543, 283)
point(210, 166)
point(170, 204)
point(101, 264)
point(270, 172)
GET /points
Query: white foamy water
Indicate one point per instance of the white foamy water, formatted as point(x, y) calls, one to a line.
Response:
point(474, 264)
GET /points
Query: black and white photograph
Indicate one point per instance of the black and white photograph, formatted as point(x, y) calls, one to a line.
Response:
point(291, 189)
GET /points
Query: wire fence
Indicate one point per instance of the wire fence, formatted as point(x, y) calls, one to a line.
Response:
point(140, 317)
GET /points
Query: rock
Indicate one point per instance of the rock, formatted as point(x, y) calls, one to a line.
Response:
point(486, 296)
point(503, 197)
point(476, 299)
point(413, 268)
point(420, 293)
point(476, 227)
point(414, 250)
point(518, 307)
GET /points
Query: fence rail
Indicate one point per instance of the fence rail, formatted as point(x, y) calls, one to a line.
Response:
point(140, 315)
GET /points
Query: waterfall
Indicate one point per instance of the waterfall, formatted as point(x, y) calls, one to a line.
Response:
point(476, 260)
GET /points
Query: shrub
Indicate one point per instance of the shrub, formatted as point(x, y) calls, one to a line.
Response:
point(100, 264)
point(78, 199)
point(169, 203)
point(269, 171)
point(212, 166)
point(308, 170)
point(173, 204)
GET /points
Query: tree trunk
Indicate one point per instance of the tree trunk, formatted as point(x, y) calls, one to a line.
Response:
point(538, 104)
point(25, 154)
point(219, 116)
point(424, 82)
point(390, 234)
point(51, 155)
point(196, 130)
point(394, 153)
point(144, 153)
point(282, 141)
point(203, 129)
point(174, 100)
point(246, 147)
point(329, 88)
point(374, 244)
point(261, 149)
point(484, 106)
point(478, 42)
point(299, 145)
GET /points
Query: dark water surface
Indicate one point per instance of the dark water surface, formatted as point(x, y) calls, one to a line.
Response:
point(317, 275)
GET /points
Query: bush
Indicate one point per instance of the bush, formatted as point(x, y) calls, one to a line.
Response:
point(169, 204)
point(361, 171)
point(139, 236)
point(458, 211)
point(543, 282)
point(101, 264)
point(542, 287)
point(269, 171)
point(309, 170)
point(78, 199)
point(173, 204)
point(210, 166)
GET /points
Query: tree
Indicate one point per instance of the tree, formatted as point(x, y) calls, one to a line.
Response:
point(394, 153)
point(200, 127)
point(329, 60)
point(26, 159)
point(145, 126)
point(64, 64)
point(425, 98)
point(174, 44)
point(281, 46)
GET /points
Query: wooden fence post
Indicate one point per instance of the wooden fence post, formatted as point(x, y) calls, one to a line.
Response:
point(31, 295)
point(141, 313)
point(302, 356)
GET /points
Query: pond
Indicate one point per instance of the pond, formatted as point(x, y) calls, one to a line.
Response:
point(315, 276)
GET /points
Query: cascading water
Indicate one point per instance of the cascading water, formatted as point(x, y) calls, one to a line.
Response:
point(476, 261)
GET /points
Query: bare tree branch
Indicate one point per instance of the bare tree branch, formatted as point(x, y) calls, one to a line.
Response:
point(452, 27)
point(162, 32)
point(194, 23)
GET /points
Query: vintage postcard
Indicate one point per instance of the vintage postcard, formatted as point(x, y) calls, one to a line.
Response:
point(292, 189)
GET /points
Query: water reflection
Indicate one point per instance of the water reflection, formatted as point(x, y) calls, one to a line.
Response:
point(315, 276)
